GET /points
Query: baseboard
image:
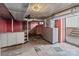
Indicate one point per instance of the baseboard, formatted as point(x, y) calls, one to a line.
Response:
point(72, 44)
point(12, 45)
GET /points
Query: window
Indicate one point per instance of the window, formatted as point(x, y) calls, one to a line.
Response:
point(41, 23)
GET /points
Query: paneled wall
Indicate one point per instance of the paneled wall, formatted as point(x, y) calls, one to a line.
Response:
point(50, 34)
point(17, 26)
point(3, 25)
point(39, 29)
point(9, 25)
point(6, 25)
point(58, 25)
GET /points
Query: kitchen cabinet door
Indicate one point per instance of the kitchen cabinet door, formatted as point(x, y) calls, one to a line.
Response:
point(20, 37)
point(3, 39)
point(11, 39)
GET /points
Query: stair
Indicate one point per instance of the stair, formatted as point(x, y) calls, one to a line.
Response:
point(25, 35)
point(31, 33)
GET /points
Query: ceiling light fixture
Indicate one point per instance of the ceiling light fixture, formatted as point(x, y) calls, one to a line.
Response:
point(37, 7)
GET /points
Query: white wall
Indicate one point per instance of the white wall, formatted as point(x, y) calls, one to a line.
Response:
point(66, 15)
point(72, 21)
point(50, 23)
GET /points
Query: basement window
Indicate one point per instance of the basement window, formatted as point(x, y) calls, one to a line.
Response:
point(41, 23)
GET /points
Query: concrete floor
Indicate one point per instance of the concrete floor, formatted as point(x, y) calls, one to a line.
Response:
point(26, 49)
point(37, 47)
point(73, 39)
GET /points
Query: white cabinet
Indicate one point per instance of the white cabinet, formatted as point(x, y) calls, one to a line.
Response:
point(11, 39)
point(20, 37)
point(51, 35)
point(3, 38)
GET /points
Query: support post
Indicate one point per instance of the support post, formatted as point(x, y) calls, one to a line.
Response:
point(27, 31)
